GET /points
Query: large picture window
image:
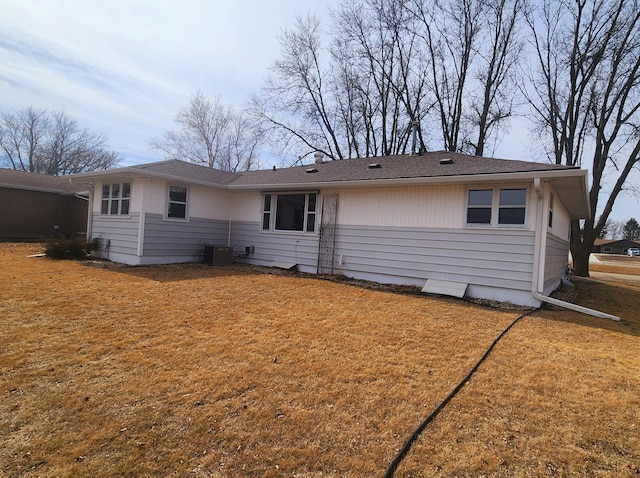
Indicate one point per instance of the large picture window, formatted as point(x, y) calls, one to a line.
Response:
point(177, 204)
point(289, 212)
point(497, 207)
point(116, 198)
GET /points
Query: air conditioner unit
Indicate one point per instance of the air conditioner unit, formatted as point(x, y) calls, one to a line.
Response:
point(218, 255)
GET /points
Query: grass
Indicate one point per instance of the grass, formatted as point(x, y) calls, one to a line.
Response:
point(201, 371)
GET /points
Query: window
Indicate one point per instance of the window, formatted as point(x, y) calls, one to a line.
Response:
point(289, 212)
point(551, 199)
point(504, 207)
point(177, 207)
point(115, 199)
point(266, 213)
point(512, 206)
point(479, 207)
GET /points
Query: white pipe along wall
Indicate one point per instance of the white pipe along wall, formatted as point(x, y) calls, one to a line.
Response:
point(539, 259)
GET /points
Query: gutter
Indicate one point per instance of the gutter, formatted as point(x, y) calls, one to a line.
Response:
point(537, 261)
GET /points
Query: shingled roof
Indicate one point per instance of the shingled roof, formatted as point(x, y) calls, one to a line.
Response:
point(429, 165)
point(10, 178)
point(429, 168)
point(188, 171)
point(348, 171)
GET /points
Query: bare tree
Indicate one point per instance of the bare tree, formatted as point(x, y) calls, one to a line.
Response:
point(615, 229)
point(297, 98)
point(359, 99)
point(375, 44)
point(211, 134)
point(586, 95)
point(52, 143)
point(392, 64)
point(473, 48)
point(496, 70)
point(70, 149)
point(244, 139)
point(21, 136)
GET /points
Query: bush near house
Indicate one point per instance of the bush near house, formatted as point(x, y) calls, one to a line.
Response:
point(70, 249)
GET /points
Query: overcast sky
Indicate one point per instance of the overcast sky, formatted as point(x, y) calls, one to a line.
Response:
point(124, 67)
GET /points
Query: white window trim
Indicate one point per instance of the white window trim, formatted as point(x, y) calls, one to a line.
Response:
point(119, 199)
point(186, 204)
point(495, 207)
point(274, 211)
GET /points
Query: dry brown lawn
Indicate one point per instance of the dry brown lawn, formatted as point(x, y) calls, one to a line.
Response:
point(234, 372)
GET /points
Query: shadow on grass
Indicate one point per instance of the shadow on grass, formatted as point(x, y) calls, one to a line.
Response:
point(177, 272)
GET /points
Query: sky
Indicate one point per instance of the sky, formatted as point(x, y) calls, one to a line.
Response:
point(123, 68)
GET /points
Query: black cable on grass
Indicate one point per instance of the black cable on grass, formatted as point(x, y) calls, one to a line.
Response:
point(414, 436)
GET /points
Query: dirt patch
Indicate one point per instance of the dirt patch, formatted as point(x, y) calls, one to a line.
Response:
point(199, 371)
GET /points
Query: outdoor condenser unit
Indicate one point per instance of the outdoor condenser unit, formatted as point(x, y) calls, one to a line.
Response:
point(218, 255)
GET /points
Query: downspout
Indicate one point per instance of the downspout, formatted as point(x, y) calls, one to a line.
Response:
point(141, 219)
point(90, 215)
point(537, 264)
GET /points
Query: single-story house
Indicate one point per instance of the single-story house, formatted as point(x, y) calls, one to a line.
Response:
point(481, 227)
point(613, 246)
point(38, 206)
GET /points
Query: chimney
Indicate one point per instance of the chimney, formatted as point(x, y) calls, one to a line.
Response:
point(318, 157)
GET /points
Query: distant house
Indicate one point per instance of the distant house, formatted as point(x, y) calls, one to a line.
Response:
point(613, 246)
point(482, 227)
point(38, 206)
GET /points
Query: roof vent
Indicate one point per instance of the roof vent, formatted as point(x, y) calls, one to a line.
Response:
point(375, 166)
point(318, 157)
point(312, 170)
point(446, 161)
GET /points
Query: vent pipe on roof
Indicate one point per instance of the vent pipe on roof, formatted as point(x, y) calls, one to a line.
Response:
point(414, 140)
point(318, 157)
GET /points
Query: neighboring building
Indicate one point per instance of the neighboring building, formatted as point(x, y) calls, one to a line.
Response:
point(490, 228)
point(38, 206)
point(613, 246)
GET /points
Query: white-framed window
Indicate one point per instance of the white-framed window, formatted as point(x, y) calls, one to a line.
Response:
point(497, 207)
point(177, 202)
point(292, 212)
point(116, 199)
point(551, 201)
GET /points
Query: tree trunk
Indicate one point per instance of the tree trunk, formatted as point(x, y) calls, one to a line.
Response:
point(580, 246)
point(580, 256)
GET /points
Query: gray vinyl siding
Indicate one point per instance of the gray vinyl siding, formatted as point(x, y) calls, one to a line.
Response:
point(556, 261)
point(270, 247)
point(180, 241)
point(122, 232)
point(501, 258)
